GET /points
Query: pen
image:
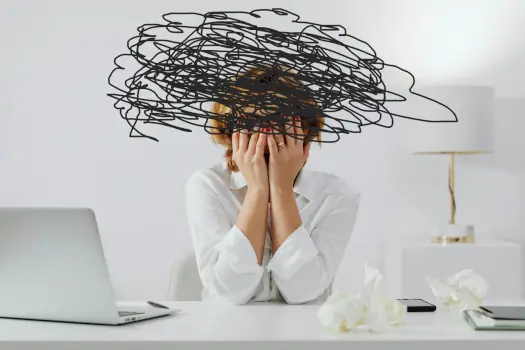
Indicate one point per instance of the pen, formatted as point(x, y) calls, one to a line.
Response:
point(154, 304)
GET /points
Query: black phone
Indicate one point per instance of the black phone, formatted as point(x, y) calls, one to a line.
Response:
point(418, 305)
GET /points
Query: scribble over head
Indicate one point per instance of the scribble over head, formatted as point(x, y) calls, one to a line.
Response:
point(261, 97)
point(174, 70)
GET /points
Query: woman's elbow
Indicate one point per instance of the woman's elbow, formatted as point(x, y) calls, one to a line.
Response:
point(303, 294)
point(223, 283)
point(233, 293)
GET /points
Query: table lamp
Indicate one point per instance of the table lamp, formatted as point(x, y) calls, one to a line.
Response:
point(470, 135)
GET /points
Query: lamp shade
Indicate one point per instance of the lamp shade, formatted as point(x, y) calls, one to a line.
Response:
point(472, 133)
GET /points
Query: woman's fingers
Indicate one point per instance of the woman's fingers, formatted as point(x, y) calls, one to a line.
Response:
point(272, 145)
point(278, 136)
point(243, 140)
point(254, 138)
point(289, 131)
point(261, 142)
point(299, 134)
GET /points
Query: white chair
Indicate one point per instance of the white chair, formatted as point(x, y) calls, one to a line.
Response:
point(185, 283)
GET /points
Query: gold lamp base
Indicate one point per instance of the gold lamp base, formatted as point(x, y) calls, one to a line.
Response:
point(453, 233)
point(452, 239)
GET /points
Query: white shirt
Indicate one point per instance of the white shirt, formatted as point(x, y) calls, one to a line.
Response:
point(303, 268)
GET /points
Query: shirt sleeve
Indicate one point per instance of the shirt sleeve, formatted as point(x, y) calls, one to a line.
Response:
point(226, 260)
point(305, 264)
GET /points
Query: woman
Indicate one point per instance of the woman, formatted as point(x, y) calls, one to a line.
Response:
point(263, 227)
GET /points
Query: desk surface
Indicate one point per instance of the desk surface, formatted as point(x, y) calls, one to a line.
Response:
point(219, 326)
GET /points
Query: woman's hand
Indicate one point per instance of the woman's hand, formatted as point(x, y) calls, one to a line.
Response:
point(248, 154)
point(287, 155)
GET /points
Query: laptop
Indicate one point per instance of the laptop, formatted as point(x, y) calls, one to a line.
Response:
point(52, 268)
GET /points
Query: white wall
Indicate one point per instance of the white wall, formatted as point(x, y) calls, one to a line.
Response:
point(63, 144)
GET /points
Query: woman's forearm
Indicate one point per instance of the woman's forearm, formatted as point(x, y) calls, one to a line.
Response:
point(285, 216)
point(252, 219)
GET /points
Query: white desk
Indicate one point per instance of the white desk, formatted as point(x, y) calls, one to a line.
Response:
point(259, 326)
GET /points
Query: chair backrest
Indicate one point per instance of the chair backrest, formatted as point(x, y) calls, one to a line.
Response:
point(185, 283)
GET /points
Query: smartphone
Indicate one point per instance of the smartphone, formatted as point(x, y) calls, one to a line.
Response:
point(418, 305)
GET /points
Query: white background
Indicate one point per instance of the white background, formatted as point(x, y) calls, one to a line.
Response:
point(63, 144)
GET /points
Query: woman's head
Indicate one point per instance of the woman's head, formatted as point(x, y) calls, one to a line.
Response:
point(263, 97)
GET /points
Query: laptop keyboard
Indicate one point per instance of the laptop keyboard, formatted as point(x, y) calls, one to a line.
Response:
point(129, 313)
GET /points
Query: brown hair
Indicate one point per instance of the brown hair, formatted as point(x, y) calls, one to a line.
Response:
point(221, 133)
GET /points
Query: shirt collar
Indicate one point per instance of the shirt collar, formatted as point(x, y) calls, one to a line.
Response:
point(303, 186)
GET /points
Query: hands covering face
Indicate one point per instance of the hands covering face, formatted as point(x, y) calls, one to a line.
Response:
point(287, 155)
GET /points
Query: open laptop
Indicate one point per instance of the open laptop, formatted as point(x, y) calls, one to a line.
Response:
point(52, 268)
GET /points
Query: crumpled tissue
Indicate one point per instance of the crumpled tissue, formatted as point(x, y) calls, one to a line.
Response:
point(465, 289)
point(371, 310)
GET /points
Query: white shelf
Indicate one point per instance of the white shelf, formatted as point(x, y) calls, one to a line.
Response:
point(409, 261)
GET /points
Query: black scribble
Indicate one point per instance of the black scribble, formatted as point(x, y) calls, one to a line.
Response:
point(174, 71)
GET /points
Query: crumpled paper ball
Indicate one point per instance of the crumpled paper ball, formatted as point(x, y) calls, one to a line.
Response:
point(463, 290)
point(370, 310)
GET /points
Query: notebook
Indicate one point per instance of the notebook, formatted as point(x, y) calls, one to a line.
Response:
point(482, 320)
